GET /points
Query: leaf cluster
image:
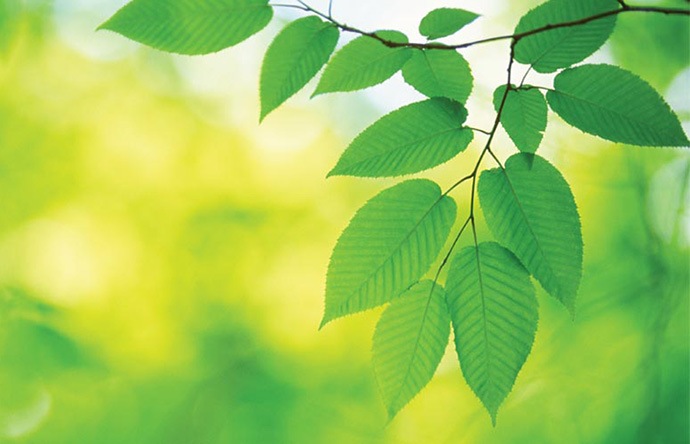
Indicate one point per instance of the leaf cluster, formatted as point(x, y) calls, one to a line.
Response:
point(384, 255)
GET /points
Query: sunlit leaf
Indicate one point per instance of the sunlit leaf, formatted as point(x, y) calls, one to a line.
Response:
point(616, 105)
point(364, 62)
point(388, 246)
point(530, 209)
point(561, 47)
point(294, 58)
point(494, 311)
point(190, 26)
point(411, 139)
point(409, 342)
point(439, 73)
point(523, 117)
point(443, 22)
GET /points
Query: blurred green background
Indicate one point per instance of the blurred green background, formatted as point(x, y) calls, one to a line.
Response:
point(163, 257)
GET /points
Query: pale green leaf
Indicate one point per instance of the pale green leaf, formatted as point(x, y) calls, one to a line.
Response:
point(388, 246)
point(409, 342)
point(364, 62)
point(413, 138)
point(495, 313)
point(190, 26)
point(616, 105)
point(559, 48)
point(530, 209)
point(443, 22)
point(439, 73)
point(523, 117)
point(294, 58)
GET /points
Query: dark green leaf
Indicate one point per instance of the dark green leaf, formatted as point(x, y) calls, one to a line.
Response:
point(388, 246)
point(364, 62)
point(190, 26)
point(530, 209)
point(439, 73)
point(411, 139)
point(409, 343)
point(294, 58)
point(561, 47)
point(616, 105)
point(523, 117)
point(494, 311)
point(443, 22)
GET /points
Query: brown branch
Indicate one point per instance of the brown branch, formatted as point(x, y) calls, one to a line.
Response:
point(515, 37)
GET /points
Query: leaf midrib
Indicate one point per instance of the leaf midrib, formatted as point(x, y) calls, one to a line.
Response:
point(398, 247)
point(529, 227)
point(396, 147)
point(612, 111)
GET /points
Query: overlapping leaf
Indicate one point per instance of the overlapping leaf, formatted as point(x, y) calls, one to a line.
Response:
point(523, 117)
point(190, 26)
point(294, 58)
point(530, 209)
point(494, 311)
point(388, 246)
point(364, 62)
point(409, 342)
point(411, 139)
point(443, 22)
point(439, 73)
point(562, 47)
point(616, 105)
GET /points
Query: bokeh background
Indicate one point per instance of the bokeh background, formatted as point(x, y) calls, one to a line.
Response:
point(163, 257)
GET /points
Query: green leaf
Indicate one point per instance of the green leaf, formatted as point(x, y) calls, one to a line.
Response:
point(439, 73)
point(409, 342)
point(495, 313)
point(190, 26)
point(364, 62)
point(524, 116)
point(294, 58)
point(413, 138)
point(443, 22)
point(388, 246)
point(616, 105)
point(530, 209)
point(559, 48)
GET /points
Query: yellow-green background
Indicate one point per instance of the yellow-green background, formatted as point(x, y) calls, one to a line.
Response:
point(163, 257)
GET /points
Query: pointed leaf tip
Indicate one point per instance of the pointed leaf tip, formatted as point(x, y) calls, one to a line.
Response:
point(409, 342)
point(530, 209)
point(494, 311)
point(190, 27)
point(294, 57)
point(411, 139)
point(387, 247)
point(443, 22)
point(616, 105)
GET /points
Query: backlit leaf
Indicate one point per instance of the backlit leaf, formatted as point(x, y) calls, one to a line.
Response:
point(523, 117)
point(190, 26)
point(409, 342)
point(616, 105)
point(439, 73)
point(443, 22)
point(294, 58)
point(364, 62)
point(559, 48)
point(411, 139)
point(530, 209)
point(388, 246)
point(494, 312)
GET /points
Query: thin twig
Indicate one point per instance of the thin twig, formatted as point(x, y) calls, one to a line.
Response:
point(514, 37)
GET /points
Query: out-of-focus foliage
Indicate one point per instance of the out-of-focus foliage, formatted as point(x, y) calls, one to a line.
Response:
point(162, 267)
